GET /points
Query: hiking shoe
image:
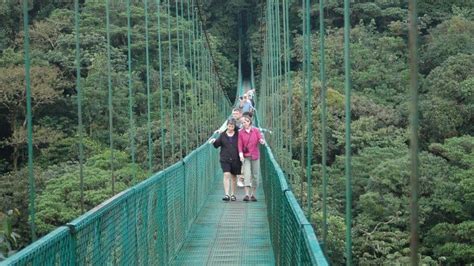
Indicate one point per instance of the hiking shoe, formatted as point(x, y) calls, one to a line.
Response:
point(246, 198)
point(253, 198)
point(226, 198)
point(233, 198)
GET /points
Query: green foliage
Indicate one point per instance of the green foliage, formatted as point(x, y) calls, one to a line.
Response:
point(452, 242)
point(449, 38)
point(379, 68)
point(10, 12)
point(14, 194)
point(335, 238)
point(453, 199)
point(448, 104)
point(380, 192)
point(10, 58)
point(8, 237)
point(60, 201)
point(67, 150)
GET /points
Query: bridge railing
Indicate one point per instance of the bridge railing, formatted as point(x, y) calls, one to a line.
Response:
point(143, 225)
point(293, 238)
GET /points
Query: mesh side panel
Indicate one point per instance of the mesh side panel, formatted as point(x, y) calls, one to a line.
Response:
point(274, 200)
point(144, 225)
point(100, 235)
point(293, 238)
point(52, 249)
point(291, 251)
point(175, 198)
point(150, 225)
point(191, 179)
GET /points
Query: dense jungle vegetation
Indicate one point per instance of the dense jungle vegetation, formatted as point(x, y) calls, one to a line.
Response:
point(380, 162)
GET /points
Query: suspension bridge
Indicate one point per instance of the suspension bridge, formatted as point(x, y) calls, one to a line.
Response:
point(176, 216)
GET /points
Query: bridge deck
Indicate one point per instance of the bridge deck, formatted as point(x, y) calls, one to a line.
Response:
point(229, 233)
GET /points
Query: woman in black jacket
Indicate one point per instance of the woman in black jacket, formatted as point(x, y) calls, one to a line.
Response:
point(229, 158)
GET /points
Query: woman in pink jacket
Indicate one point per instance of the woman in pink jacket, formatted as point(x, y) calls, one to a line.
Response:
point(249, 153)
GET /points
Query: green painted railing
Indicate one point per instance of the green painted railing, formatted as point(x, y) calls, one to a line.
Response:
point(293, 238)
point(143, 225)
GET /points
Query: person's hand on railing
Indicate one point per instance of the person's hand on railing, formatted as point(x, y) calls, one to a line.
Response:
point(262, 141)
point(212, 140)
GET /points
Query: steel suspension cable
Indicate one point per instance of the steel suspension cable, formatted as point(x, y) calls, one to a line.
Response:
point(148, 93)
point(239, 69)
point(277, 72)
point(252, 77)
point(209, 91)
point(199, 66)
point(262, 110)
point(110, 95)
point(285, 110)
point(289, 85)
point(179, 67)
point(29, 122)
point(194, 74)
point(264, 75)
point(322, 77)
point(347, 89)
point(265, 81)
point(191, 63)
point(203, 87)
point(198, 77)
point(203, 79)
point(186, 126)
point(130, 93)
point(80, 129)
point(160, 60)
point(207, 95)
point(279, 75)
point(309, 106)
point(170, 61)
point(271, 67)
point(414, 126)
point(303, 111)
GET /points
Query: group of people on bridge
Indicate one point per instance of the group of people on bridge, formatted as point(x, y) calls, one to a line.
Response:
point(240, 155)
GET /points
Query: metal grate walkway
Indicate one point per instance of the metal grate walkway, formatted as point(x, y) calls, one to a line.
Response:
point(228, 233)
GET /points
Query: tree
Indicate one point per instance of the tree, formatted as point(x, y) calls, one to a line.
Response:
point(447, 106)
point(449, 38)
point(13, 98)
point(9, 17)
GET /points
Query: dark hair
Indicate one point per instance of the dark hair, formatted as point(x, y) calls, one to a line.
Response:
point(249, 118)
point(247, 114)
point(231, 121)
